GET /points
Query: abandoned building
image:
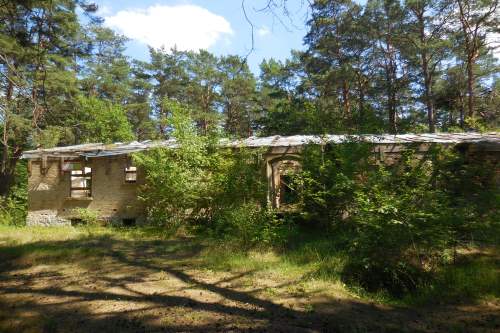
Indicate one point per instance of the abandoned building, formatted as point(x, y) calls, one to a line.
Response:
point(102, 177)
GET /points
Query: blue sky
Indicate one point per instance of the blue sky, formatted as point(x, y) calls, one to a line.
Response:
point(216, 25)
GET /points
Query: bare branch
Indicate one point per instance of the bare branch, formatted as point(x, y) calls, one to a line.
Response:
point(251, 27)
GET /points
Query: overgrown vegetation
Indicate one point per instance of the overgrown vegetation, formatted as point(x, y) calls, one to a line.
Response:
point(87, 217)
point(13, 207)
point(387, 227)
point(399, 222)
point(216, 191)
point(390, 228)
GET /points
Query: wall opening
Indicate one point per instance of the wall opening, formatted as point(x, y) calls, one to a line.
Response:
point(130, 174)
point(76, 222)
point(288, 193)
point(81, 181)
point(129, 222)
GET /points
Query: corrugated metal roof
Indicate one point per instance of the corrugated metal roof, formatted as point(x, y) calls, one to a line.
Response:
point(100, 149)
point(298, 140)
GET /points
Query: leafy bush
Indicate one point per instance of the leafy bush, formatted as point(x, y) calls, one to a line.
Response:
point(88, 217)
point(249, 225)
point(178, 181)
point(238, 178)
point(103, 121)
point(13, 208)
point(402, 217)
point(12, 212)
point(222, 192)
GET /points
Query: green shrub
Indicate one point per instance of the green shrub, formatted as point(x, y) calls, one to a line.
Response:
point(88, 217)
point(249, 225)
point(12, 212)
point(13, 208)
point(402, 218)
point(178, 181)
point(222, 192)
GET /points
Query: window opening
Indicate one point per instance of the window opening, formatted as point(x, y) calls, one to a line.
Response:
point(81, 182)
point(75, 222)
point(288, 194)
point(131, 174)
point(130, 222)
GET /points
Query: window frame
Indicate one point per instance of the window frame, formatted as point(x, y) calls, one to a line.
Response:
point(87, 180)
point(127, 171)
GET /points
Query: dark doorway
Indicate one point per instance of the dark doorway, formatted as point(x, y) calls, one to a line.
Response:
point(130, 222)
point(75, 222)
point(288, 194)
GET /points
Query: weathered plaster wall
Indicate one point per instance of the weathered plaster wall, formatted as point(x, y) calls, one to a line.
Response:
point(49, 201)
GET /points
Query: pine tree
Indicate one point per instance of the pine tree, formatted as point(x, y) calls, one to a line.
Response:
point(39, 42)
point(476, 19)
point(238, 96)
point(428, 45)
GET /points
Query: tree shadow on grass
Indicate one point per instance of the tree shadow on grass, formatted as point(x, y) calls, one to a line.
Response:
point(103, 284)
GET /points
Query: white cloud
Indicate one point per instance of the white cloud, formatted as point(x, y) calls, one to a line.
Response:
point(103, 10)
point(264, 31)
point(187, 27)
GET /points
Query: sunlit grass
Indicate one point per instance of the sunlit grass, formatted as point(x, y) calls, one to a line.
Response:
point(471, 279)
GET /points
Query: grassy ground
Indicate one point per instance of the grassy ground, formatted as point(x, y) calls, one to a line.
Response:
point(138, 280)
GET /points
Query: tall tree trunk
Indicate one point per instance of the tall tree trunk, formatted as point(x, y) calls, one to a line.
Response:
point(462, 109)
point(5, 172)
point(470, 87)
point(450, 118)
point(230, 123)
point(163, 117)
point(346, 100)
point(429, 103)
point(391, 98)
point(392, 114)
point(361, 104)
point(428, 94)
point(361, 101)
point(391, 75)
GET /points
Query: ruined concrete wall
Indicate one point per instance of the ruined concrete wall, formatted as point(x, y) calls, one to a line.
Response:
point(49, 201)
point(47, 191)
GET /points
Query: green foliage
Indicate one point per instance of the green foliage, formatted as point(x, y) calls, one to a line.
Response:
point(239, 209)
point(107, 71)
point(470, 279)
point(12, 212)
point(13, 208)
point(239, 177)
point(89, 217)
point(238, 92)
point(222, 192)
point(103, 121)
point(178, 180)
point(328, 179)
point(248, 225)
point(403, 217)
